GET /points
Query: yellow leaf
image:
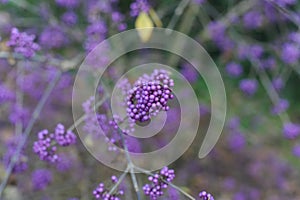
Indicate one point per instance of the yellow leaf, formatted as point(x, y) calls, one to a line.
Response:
point(144, 26)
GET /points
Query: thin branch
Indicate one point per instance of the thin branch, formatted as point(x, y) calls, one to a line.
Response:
point(287, 13)
point(129, 161)
point(121, 178)
point(26, 6)
point(272, 93)
point(19, 96)
point(184, 27)
point(131, 165)
point(83, 117)
point(28, 129)
point(135, 183)
point(236, 11)
point(178, 12)
point(64, 64)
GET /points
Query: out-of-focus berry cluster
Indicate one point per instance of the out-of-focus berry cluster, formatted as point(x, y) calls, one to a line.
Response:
point(41, 178)
point(23, 43)
point(11, 149)
point(139, 6)
point(46, 145)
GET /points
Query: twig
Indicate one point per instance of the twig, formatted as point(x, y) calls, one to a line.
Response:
point(119, 180)
point(131, 165)
point(64, 64)
point(287, 13)
point(27, 131)
point(82, 118)
point(20, 96)
point(185, 27)
point(25, 5)
point(272, 93)
point(178, 12)
point(236, 11)
point(129, 161)
point(134, 181)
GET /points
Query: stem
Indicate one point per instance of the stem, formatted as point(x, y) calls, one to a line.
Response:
point(131, 166)
point(272, 93)
point(19, 97)
point(184, 27)
point(134, 181)
point(169, 183)
point(287, 13)
point(130, 163)
point(82, 118)
point(236, 11)
point(178, 12)
point(119, 180)
point(26, 6)
point(27, 131)
point(64, 64)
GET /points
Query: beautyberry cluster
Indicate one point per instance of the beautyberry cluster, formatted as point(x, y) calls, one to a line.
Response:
point(149, 95)
point(23, 43)
point(12, 144)
point(234, 69)
point(41, 178)
point(64, 138)
point(68, 3)
point(139, 6)
point(291, 130)
point(101, 192)
point(205, 196)
point(6, 95)
point(236, 139)
point(159, 182)
point(249, 86)
point(46, 145)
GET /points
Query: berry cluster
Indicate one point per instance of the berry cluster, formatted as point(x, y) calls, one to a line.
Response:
point(149, 95)
point(23, 43)
point(234, 69)
point(21, 165)
point(41, 178)
point(64, 138)
point(205, 196)
point(68, 3)
point(46, 146)
point(249, 86)
point(103, 193)
point(291, 130)
point(280, 107)
point(6, 95)
point(159, 182)
point(139, 6)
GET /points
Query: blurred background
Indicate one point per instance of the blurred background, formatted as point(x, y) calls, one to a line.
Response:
point(255, 45)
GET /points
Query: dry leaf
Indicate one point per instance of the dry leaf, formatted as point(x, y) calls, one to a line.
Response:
point(144, 26)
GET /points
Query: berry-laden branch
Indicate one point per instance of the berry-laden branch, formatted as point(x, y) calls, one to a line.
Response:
point(149, 95)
